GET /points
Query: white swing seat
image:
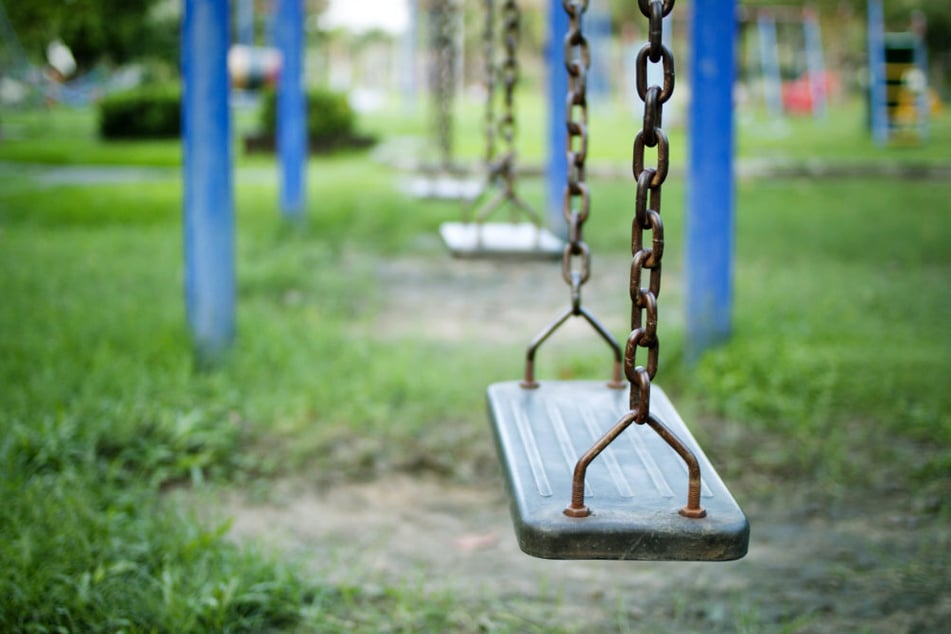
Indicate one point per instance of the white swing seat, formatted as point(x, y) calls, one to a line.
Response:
point(517, 240)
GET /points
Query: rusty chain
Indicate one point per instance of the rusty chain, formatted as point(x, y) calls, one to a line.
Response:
point(647, 208)
point(576, 206)
point(443, 76)
point(577, 198)
point(511, 30)
point(646, 226)
point(502, 169)
point(488, 54)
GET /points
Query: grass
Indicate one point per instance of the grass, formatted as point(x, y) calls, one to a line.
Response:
point(840, 334)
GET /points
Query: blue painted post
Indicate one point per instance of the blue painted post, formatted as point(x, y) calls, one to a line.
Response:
point(876, 72)
point(244, 19)
point(557, 167)
point(710, 186)
point(208, 197)
point(815, 62)
point(769, 58)
point(291, 107)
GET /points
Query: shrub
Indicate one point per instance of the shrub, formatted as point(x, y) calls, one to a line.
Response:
point(330, 119)
point(149, 112)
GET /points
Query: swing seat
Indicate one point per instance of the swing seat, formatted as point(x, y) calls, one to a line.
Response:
point(634, 488)
point(443, 187)
point(500, 240)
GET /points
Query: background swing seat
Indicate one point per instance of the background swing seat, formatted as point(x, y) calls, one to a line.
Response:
point(634, 488)
point(500, 240)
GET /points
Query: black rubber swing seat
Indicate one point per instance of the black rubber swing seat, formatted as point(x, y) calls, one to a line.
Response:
point(634, 487)
point(516, 240)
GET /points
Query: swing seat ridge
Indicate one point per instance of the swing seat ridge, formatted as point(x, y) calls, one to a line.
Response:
point(634, 488)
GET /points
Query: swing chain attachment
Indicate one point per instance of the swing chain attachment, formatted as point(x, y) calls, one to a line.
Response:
point(576, 257)
point(647, 222)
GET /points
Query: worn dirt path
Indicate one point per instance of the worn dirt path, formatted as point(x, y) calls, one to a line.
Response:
point(873, 561)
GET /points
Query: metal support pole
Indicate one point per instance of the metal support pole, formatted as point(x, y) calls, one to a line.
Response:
point(557, 115)
point(291, 107)
point(710, 184)
point(208, 197)
point(244, 22)
point(815, 62)
point(876, 72)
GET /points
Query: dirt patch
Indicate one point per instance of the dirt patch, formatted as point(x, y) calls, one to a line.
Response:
point(811, 567)
point(875, 560)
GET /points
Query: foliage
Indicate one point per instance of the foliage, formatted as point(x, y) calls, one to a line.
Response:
point(150, 112)
point(330, 118)
point(95, 30)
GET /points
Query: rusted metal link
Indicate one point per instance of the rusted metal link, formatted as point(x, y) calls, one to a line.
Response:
point(574, 251)
point(639, 339)
point(655, 254)
point(645, 7)
point(667, 59)
point(663, 156)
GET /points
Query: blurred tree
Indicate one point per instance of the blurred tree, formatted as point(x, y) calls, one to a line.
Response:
point(95, 30)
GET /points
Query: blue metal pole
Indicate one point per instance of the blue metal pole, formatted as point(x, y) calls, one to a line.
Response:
point(291, 107)
point(710, 184)
point(208, 196)
point(876, 72)
point(245, 22)
point(557, 167)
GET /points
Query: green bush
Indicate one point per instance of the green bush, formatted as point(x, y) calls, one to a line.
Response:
point(150, 112)
point(330, 118)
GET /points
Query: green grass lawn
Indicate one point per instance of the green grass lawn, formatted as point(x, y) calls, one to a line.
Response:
point(841, 334)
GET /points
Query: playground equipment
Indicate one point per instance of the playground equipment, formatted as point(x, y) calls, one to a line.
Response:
point(808, 93)
point(443, 179)
point(899, 97)
point(540, 426)
point(474, 236)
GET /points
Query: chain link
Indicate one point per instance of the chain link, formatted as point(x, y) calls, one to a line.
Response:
point(647, 227)
point(576, 259)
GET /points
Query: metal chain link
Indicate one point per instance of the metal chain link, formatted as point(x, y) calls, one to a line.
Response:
point(577, 198)
point(647, 227)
